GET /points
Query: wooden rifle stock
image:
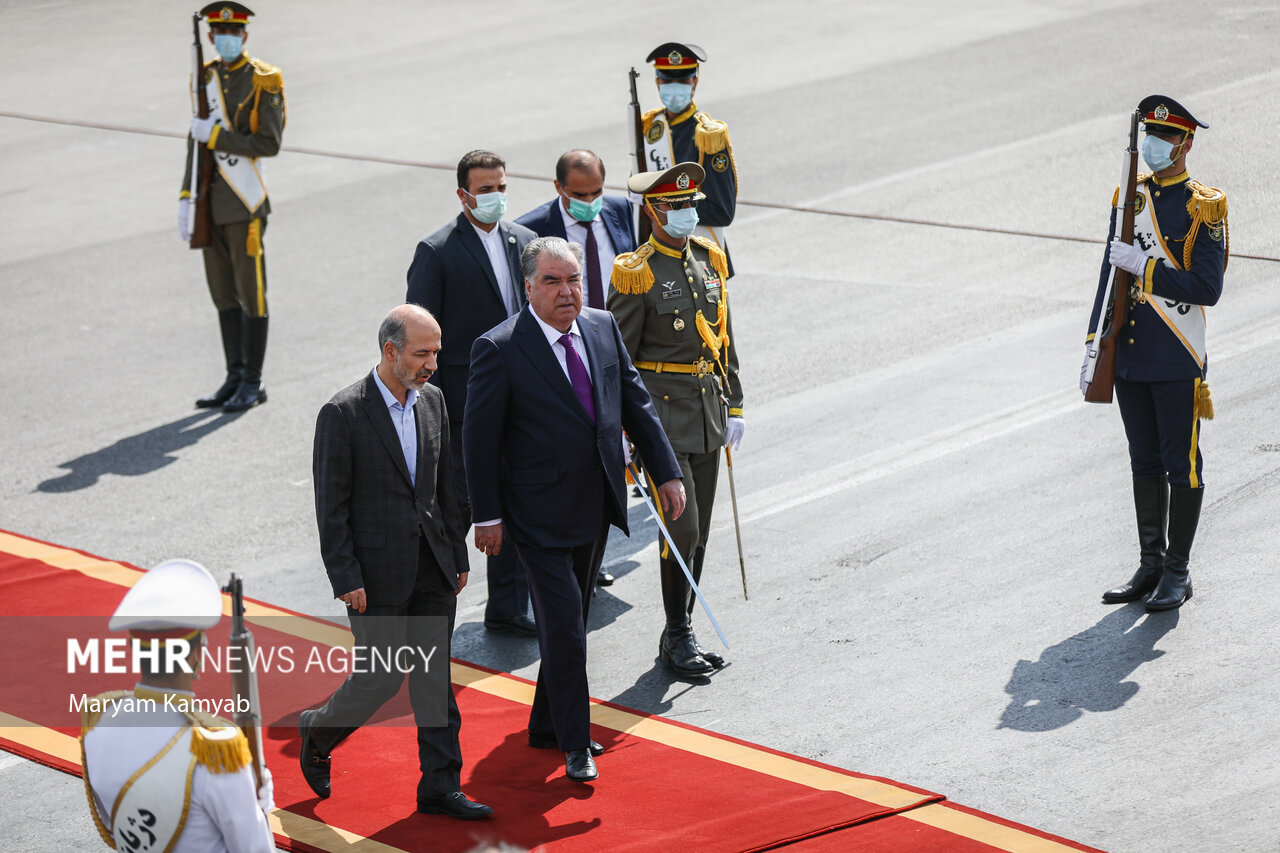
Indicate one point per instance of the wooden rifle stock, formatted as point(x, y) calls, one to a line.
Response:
point(244, 677)
point(643, 225)
point(202, 173)
point(1116, 310)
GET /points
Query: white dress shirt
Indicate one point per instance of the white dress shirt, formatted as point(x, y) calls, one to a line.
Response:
point(402, 418)
point(576, 232)
point(496, 249)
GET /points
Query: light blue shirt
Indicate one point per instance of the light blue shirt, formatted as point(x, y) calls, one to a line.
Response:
point(405, 423)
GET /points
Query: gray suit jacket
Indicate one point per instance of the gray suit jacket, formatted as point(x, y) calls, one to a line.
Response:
point(368, 512)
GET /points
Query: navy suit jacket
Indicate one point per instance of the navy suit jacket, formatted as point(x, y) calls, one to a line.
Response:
point(452, 278)
point(616, 215)
point(533, 456)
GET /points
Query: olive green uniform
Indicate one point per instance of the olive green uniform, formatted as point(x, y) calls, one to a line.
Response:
point(235, 265)
point(656, 295)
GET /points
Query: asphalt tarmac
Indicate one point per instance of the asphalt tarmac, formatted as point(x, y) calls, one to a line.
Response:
point(929, 511)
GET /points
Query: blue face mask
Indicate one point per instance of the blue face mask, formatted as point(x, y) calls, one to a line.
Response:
point(490, 207)
point(229, 46)
point(680, 223)
point(1157, 153)
point(585, 211)
point(675, 96)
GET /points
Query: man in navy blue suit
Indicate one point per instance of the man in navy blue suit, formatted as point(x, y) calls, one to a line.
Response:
point(581, 213)
point(467, 275)
point(550, 391)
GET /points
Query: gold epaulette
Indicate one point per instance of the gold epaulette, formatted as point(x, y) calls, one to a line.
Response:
point(218, 744)
point(89, 718)
point(1207, 206)
point(647, 118)
point(631, 273)
point(266, 76)
point(718, 260)
point(1211, 203)
point(711, 136)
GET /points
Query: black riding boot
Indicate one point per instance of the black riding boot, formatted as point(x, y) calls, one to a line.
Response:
point(695, 568)
point(1151, 503)
point(251, 393)
point(1175, 581)
point(677, 648)
point(231, 324)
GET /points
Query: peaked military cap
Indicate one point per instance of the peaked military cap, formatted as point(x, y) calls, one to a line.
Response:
point(178, 598)
point(227, 14)
point(673, 59)
point(678, 183)
point(1162, 114)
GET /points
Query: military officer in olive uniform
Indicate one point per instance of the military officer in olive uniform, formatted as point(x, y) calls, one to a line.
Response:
point(1177, 259)
point(678, 132)
point(246, 121)
point(671, 304)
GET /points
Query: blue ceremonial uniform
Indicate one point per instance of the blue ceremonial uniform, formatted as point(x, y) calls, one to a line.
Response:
point(1158, 375)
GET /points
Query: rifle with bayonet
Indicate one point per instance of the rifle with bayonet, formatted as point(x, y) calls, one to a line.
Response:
point(637, 121)
point(1100, 369)
point(201, 157)
point(244, 677)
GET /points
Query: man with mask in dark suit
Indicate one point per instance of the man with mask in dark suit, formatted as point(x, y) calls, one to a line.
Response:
point(467, 274)
point(394, 548)
point(550, 393)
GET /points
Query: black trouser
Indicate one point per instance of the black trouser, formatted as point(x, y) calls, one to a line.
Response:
point(1162, 428)
point(508, 588)
point(418, 623)
point(561, 581)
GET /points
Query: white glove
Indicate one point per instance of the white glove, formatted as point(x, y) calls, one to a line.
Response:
point(184, 219)
point(266, 793)
point(1131, 259)
point(1084, 369)
point(202, 127)
point(733, 432)
point(626, 450)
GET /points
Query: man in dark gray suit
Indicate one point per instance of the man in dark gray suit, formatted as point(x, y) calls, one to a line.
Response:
point(551, 390)
point(468, 275)
point(393, 545)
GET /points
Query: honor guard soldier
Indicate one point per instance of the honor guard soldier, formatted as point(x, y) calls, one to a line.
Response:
point(671, 304)
point(1177, 259)
point(678, 132)
point(161, 774)
point(245, 123)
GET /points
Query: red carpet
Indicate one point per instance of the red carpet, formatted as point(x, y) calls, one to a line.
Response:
point(732, 795)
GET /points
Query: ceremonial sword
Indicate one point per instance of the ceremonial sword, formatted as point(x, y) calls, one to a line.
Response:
point(644, 493)
point(737, 528)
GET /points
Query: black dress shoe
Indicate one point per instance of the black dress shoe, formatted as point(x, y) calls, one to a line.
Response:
point(315, 767)
point(454, 805)
point(604, 579)
point(550, 743)
point(521, 626)
point(580, 766)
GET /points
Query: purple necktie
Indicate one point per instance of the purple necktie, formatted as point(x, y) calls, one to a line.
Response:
point(578, 376)
point(595, 288)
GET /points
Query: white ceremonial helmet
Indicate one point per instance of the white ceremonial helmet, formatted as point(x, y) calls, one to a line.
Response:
point(174, 599)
